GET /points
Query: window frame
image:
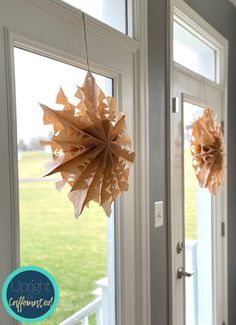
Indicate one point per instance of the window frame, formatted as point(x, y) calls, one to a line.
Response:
point(13, 35)
point(179, 11)
point(194, 24)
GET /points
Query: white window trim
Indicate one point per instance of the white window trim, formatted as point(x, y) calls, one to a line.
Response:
point(195, 24)
point(141, 145)
point(181, 12)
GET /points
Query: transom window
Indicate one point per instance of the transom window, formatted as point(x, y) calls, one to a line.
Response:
point(111, 12)
point(194, 53)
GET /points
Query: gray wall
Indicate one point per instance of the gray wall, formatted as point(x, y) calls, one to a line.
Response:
point(221, 15)
point(157, 21)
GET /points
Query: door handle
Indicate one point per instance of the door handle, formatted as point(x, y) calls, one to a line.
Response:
point(181, 273)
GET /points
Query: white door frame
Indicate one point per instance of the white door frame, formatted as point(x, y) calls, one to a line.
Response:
point(197, 25)
point(127, 65)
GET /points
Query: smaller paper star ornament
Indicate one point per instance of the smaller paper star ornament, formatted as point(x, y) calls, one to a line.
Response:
point(207, 151)
point(90, 147)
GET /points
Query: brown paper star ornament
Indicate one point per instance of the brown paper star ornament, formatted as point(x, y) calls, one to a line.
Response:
point(90, 147)
point(207, 151)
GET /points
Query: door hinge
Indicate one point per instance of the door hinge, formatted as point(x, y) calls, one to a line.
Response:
point(175, 104)
point(223, 127)
point(223, 323)
point(222, 229)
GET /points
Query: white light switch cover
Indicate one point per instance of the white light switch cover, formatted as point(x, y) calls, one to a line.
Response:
point(158, 214)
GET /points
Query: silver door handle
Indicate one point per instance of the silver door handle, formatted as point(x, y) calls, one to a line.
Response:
point(181, 273)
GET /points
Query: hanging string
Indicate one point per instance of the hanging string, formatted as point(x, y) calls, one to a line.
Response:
point(85, 40)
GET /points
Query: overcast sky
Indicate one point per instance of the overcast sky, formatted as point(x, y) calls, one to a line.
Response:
point(38, 79)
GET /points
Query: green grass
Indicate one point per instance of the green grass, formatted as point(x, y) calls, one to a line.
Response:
point(73, 251)
point(190, 206)
point(32, 164)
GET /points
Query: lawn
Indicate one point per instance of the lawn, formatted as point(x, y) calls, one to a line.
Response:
point(73, 251)
point(190, 199)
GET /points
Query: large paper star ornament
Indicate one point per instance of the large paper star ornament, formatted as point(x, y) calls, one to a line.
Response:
point(90, 147)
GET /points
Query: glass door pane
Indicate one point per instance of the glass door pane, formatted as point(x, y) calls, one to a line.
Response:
point(198, 234)
point(79, 253)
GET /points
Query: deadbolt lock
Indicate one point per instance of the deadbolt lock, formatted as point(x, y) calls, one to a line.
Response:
point(180, 247)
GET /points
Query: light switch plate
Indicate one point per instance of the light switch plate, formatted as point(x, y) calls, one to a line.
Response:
point(158, 214)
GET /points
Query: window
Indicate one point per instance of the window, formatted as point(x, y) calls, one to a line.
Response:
point(85, 247)
point(193, 53)
point(198, 233)
point(111, 12)
point(119, 59)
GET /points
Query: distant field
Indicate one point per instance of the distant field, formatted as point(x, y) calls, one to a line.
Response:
point(73, 251)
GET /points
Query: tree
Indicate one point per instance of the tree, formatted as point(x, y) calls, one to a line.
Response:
point(22, 145)
point(35, 144)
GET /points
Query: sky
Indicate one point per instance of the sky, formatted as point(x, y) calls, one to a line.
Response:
point(38, 80)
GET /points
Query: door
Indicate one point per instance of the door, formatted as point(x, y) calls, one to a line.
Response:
point(198, 219)
point(51, 32)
